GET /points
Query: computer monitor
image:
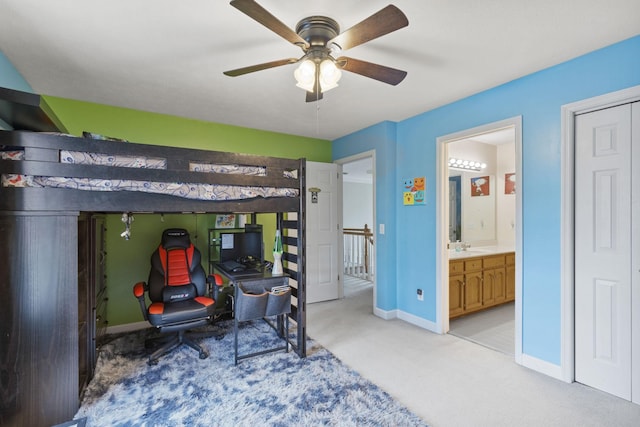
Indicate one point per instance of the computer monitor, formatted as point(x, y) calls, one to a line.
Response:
point(240, 246)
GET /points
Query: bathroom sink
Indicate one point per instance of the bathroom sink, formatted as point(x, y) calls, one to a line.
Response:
point(470, 252)
point(480, 250)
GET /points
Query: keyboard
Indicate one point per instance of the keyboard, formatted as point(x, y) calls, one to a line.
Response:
point(232, 266)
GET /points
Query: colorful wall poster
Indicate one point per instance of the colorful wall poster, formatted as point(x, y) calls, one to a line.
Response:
point(413, 191)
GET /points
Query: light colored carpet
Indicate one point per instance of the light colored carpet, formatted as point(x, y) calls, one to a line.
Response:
point(493, 328)
point(450, 382)
point(354, 285)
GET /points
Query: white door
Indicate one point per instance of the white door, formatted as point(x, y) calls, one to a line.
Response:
point(323, 232)
point(603, 250)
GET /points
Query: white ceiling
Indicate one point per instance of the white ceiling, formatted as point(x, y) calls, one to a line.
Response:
point(168, 56)
point(358, 171)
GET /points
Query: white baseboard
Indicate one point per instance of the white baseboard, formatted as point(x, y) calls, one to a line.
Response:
point(409, 318)
point(129, 327)
point(418, 321)
point(385, 314)
point(542, 366)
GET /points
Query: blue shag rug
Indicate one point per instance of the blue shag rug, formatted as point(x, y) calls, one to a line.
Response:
point(277, 389)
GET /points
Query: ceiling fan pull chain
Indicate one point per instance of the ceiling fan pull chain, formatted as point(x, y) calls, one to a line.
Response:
point(318, 116)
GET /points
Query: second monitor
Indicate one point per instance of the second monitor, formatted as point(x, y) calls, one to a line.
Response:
point(241, 247)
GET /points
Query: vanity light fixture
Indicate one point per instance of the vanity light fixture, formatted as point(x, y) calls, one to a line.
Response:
point(462, 164)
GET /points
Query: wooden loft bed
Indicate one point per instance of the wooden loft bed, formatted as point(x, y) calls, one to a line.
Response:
point(47, 181)
point(88, 181)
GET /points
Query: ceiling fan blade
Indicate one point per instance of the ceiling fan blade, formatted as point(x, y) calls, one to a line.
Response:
point(383, 22)
point(258, 13)
point(384, 74)
point(259, 67)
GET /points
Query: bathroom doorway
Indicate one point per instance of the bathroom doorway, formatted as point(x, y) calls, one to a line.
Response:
point(479, 263)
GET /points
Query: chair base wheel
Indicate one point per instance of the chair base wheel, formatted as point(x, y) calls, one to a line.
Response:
point(160, 346)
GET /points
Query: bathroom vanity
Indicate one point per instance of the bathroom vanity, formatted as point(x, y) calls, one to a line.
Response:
point(480, 278)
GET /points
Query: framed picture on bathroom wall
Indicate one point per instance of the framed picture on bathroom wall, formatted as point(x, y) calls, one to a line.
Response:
point(509, 183)
point(480, 186)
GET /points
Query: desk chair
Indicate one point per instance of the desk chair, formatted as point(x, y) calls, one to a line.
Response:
point(177, 289)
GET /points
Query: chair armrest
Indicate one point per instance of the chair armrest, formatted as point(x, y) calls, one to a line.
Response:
point(217, 284)
point(215, 278)
point(138, 291)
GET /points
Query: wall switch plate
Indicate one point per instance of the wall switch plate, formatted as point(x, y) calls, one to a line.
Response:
point(381, 228)
point(420, 295)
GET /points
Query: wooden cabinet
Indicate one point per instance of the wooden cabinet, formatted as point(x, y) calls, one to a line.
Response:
point(92, 293)
point(456, 290)
point(494, 286)
point(52, 275)
point(99, 277)
point(477, 283)
point(472, 284)
point(39, 320)
point(510, 278)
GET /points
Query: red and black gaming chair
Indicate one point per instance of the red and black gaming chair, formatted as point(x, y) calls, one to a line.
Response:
point(177, 289)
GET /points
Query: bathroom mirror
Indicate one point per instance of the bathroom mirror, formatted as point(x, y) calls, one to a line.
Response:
point(481, 212)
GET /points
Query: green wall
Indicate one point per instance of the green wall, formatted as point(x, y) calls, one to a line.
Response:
point(160, 129)
point(128, 260)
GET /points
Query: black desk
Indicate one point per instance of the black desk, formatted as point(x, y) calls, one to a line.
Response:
point(253, 300)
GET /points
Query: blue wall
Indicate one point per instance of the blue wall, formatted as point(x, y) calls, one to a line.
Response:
point(538, 98)
point(10, 77)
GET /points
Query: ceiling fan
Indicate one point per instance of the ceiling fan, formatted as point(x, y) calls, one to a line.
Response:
point(320, 39)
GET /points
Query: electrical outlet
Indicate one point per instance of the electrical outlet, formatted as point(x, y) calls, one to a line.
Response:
point(420, 295)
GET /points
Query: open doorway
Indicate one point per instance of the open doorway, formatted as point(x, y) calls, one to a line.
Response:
point(358, 224)
point(480, 235)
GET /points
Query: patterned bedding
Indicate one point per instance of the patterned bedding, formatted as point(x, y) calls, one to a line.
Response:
point(196, 191)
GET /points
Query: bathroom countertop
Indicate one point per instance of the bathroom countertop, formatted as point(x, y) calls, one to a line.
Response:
point(475, 251)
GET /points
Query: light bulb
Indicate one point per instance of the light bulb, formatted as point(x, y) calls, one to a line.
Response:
point(329, 75)
point(305, 75)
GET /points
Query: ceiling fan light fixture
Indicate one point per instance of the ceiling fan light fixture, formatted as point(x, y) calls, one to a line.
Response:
point(329, 75)
point(320, 39)
point(305, 75)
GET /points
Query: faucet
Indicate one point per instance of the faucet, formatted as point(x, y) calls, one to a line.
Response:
point(460, 246)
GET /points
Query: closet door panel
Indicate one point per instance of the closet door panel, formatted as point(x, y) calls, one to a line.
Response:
point(603, 250)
